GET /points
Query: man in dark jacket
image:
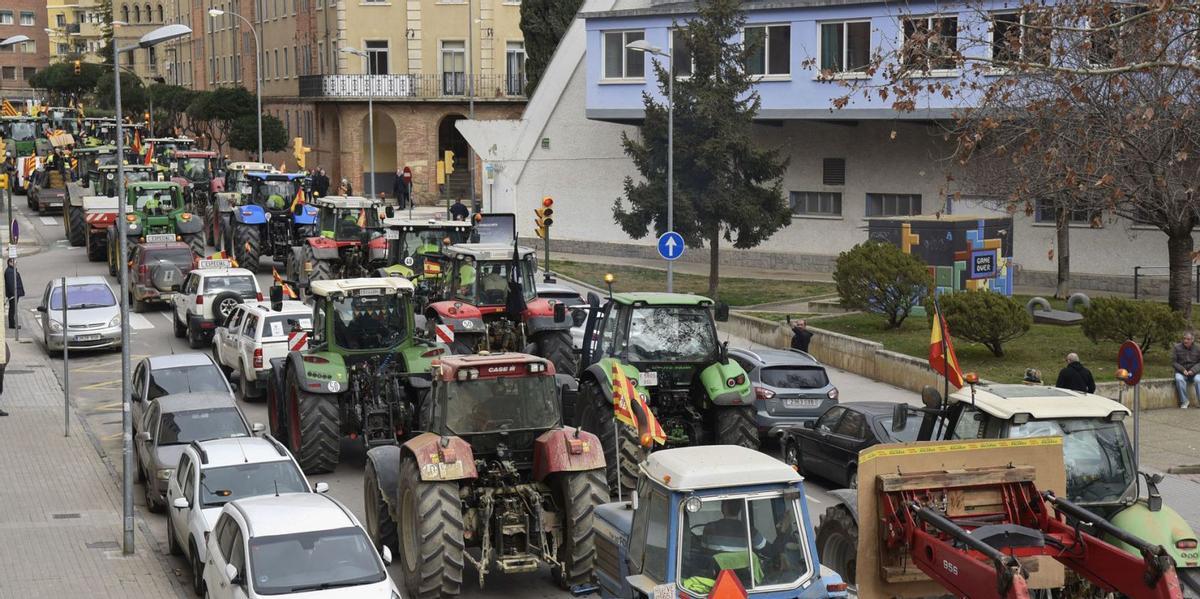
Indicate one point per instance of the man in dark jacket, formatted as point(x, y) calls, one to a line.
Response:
point(1185, 358)
point(400, 190)
point(14, 290)
point(320, 183)
point(459, 210)
point(801, 336)
point(1075, 377)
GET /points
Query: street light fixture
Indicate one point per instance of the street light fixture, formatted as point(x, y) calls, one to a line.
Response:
point(16, 39)
point(648, 48)
point(258, 58)
point(370, 111)
point(153, 38)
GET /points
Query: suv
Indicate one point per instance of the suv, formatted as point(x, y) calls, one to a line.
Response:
point(208, 296)
point(213, 473)
point(294, 544)
point(252, 336)
point(790, 387)
point(155, 271)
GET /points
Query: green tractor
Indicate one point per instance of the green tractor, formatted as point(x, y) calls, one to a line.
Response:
point(20, 135)
point(410, 241)
point(666, 345)
point(92, 202)
point(362, 374)
point(157, 210)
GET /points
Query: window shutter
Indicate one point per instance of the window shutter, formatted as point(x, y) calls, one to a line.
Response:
point(833, 171)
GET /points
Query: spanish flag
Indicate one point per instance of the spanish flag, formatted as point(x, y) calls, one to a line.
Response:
point(941, 351)
point(7, 109)
point(629, 405)
point(287, 289)
point(149, 160)
point(297, 201)
point(137, 142)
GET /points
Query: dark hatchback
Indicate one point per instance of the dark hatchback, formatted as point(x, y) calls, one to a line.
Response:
point(828, 447)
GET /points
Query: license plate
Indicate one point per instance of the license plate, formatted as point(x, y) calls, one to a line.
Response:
point(160, 238)
point(649, 379)
point(391, 234)
point(87, 337)
point(801, 403)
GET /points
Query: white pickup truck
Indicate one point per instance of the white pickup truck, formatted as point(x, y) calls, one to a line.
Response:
point(253, 334)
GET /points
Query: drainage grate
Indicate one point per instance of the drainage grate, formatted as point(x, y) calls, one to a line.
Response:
point(103, 545)
point(64, 516)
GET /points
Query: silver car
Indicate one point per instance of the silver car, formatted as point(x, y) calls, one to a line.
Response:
point(790, 387)
point(93, 314)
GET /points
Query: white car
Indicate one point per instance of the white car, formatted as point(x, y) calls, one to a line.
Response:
point(208, 295)
point(295, 544)
point(252, 336)
point(213, 473)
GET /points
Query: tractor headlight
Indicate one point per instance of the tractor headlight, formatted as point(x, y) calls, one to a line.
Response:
point(115, 322)
point(55, 326)
point(692, 505)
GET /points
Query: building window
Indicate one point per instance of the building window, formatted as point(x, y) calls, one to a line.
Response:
point(454, 68)
point(149, 15)
point(1015, 39)
point(27, 19)
point(770, 50)
point(152, 58)
point(816, 203)
point(63, 48)
point(137, 14)
point(287, 69)
point(845, 47)
point(514, 62)
point(682, 62)
point(619, 61)
point(60, 20)
point(160, 14)
point(287, 122)
point(833, 171)
point(28, 72)
point(9, 73)
point(377, 57)
point(321, 57)
point(930, 43)
point(277, 71)
point(6, 17)
point(893, 204)
point(1044, 213)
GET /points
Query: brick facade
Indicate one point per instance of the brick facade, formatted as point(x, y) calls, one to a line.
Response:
point(17, 64)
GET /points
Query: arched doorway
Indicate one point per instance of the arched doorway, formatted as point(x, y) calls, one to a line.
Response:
point(385, 154)
point(458, 184)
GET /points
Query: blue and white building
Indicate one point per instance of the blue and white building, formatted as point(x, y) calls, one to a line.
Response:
point(846, 165)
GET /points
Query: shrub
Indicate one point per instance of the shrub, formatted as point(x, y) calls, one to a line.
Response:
point(1120, 319)
point(984, 317)
point(877, 277)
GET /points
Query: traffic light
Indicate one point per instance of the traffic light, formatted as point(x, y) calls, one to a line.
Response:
point(146, 117)
point(448, 158)
point(544, 215)
point(78, 67)
point(299, 151)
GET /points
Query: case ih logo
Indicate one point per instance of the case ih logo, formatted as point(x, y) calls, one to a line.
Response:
point(497, 370)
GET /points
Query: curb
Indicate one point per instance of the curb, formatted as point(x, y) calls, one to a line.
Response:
point(1184, 469)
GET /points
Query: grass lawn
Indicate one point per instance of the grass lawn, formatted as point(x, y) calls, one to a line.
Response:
point(1043, 347)
point(735, 292)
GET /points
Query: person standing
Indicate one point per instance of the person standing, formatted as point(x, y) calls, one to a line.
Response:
point(1185, 359)
point(14, 290)
point(459, 210)
point(801, 336)
point(344, 188)
point(400, 190)
point(1075, 377)
point(320, 183)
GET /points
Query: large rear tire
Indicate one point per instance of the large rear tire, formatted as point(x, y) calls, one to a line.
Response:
point(595, 415)
point(196, 242)
point(317, 440)
point(837, 542)
point(380, 525)
point(579, 495)
point(556, 347)
point(97, 249)
point(1189, 579)
point(245, 246)
point(277, 419)
point(736, 426)
point(76, 225)
point(431, 540)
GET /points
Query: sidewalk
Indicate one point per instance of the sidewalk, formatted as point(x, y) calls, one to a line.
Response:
point(60, 520)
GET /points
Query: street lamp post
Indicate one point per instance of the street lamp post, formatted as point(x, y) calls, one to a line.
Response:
point(155, 37)
point(370, 112)
point(258, 58)
point(644, 46)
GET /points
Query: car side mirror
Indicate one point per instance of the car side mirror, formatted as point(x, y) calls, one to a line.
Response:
point(321, 487)
point(232, 573)
point(181, 503)
point(560, 312)
point(143, 436)
point(899, 417)
point(810, 424)
point(41, 308)
point(257, 428)
point(721, 312)
point(386, 553)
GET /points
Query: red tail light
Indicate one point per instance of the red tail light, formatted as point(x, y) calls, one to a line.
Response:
point(839, 587)
point(762, 393)
point(259, 295)
point(1186, 544)
point(315, 360)
point(199, 300)
point(437, 351)
point(258, 358)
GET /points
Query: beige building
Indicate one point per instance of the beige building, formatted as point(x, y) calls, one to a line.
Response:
point(74, 29)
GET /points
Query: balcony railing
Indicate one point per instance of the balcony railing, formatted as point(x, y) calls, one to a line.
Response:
point(412, 86)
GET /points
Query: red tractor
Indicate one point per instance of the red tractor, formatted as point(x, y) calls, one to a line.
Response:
point(496, 471)
point(470, 308)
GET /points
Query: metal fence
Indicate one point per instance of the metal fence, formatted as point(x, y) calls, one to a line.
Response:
point(1158, 274)
point(412, 86)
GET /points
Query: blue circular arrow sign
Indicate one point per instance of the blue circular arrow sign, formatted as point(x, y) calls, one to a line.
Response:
point(670, 245)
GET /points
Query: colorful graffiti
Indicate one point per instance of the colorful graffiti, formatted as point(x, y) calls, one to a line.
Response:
point(963, 252)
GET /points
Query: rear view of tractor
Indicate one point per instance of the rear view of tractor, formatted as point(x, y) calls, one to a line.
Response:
point(272, 219)
point(666, 345)
point(92, 205)
point(157, 211)
point(494, 471)
point(347, 241)
point(234, 186)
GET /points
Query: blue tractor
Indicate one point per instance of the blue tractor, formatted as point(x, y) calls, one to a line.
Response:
point(269, 220)
point(711, 516)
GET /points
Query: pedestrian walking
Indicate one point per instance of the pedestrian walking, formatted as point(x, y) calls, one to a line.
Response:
point(1185, 358)
point(320, 183)
point(14, 290)
point(400, 189)
point(1033, 376)
point(459, 210)
point(1075, 377)
point(801, 336)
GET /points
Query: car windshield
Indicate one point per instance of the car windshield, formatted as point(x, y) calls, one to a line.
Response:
point(186, 379)
point(180, 257)
point(219, 486)
point(22, 131)
point(375, 321)
point(1096, 453)
point(155, 202)
point(80, 297)
point(795, 377)
point(504, 403)
point(195, 169)
point(283, 189)
point(671, 334)
point(486, 283)
point(310, 561)
point(279, 326)
point(349, 223)
point(242, 284)
point(199, 425)
point(766, 551)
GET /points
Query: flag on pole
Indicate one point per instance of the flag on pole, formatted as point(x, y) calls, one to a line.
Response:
point(137, 142)
point(941, 351)
point(298, 200)
point(287, 289)
point(149, 160)
point(625, 395)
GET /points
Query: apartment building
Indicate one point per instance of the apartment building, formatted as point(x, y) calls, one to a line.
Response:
point(18, 62)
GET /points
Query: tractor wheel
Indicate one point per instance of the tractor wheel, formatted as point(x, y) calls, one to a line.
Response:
point(276, 418)
point(76, 225)
point(112, 254)
point(96, 248)
point(196, 242)
point(580, 493)
point(556, 347)
point(837, 542)
point(322, 270)
point(595, 415)
point(631, 454)
point(380, 525)
point(431, 539)
point(245, 246)
point(1189, 580)
point(316, 439)
point(736, 426)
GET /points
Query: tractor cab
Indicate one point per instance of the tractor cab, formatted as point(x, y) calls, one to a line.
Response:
point(411, 241)
point(361, 316)
point(64, 118)
point(104, 177)
point(155, 200)
point(479, 273)
point(714, 520)
point(498, 402)
point(273, 192)
point(157, 214)
point(166, 147)
point(20, 134)
point(236, 175)
point(347, 219)
point(193, 166)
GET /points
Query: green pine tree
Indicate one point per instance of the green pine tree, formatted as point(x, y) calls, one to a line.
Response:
point(543, 23)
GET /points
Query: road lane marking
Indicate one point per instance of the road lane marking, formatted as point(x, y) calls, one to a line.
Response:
point(139, 322)
point(49, 220)
point(811, 498)
point(108, 365)
point(102, 386)
point(169, 316)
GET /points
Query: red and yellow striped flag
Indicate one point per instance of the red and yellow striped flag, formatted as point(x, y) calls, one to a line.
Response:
point(941, 351)
point(629, 405)
point(287, 289)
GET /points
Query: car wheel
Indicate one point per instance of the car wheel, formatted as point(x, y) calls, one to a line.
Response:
point(180, 329)
point(151, 503)
point(243, 389)
point(194, 336)
point(197, 573)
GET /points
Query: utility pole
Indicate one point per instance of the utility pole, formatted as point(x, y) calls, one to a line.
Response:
point(471, 95)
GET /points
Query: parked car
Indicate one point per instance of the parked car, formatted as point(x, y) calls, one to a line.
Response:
point(208, 296)
point(174, 421)
point(295, 544)
point(251, 337)
point(158, 376)
point(790, 387)
point(213, 473)
point(93, 315)
point(155, 270)
point(828, 447)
